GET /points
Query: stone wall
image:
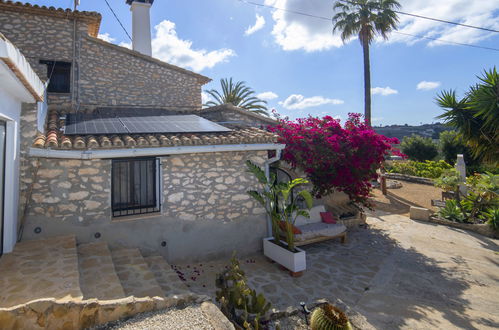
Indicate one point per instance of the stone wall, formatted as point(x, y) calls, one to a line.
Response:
point(112, 76)
point(105, 74)
point(72, 190)
point(28, 166)
point(206, 212)
point(210, 186)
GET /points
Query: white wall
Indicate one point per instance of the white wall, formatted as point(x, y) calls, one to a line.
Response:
point(10, 111)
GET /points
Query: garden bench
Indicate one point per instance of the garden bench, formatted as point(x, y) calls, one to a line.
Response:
point(314, 230)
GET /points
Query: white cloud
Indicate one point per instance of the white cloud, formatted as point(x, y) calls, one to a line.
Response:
point(126, 44)
point(298, 32)
point(105, 37)
point(295, 32)
point(259, 24)
point(205, 97)
point(267, 96)
point(478, 13)
point(428, 85)
point(384, 91)
point(297, 102)
point(168, 47)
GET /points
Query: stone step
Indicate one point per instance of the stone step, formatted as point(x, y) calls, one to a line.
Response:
point(167, 278)
point(98, 278)
point(40, 269)
point(134, 273)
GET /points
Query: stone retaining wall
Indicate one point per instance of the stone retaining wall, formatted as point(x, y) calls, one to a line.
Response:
point(482, 229)
point(409, 178)
point(51, 314)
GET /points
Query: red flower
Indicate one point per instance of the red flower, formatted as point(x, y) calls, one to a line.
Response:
point(335, 157)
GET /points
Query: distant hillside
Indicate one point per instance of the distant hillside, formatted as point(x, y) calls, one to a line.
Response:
point(399, 131)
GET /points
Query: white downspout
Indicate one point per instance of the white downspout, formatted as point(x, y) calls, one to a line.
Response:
point(274, 159)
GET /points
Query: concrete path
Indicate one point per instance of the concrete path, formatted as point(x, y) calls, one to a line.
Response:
point(434, 277)
point(398, 273)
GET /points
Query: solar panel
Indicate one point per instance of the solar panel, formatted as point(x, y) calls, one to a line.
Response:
point(81, 123)
point(133, 121)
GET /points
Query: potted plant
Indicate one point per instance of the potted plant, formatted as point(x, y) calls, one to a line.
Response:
point(282, 208)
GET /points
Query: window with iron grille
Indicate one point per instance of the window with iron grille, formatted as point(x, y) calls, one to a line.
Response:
point(135, 186)
point(59, 74)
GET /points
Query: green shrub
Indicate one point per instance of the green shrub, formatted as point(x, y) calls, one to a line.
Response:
point(449, 180)
point(451, 211)
point(451, 144)
point(428, 169)
point(480, 204)
point(491, 216)
point(419, 148)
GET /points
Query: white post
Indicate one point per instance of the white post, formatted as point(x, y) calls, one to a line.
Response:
point(461, 168)
point(141, 27)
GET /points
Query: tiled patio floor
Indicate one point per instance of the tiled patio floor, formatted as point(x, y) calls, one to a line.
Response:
point(398, 274)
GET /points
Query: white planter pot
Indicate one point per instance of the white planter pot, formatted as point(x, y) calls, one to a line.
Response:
point(294, 261)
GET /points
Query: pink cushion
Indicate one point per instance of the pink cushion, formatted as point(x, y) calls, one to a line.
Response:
point(327, 217)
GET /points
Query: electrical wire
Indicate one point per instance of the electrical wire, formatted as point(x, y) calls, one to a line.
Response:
point(397, 32)
point(115, 16)
point(437, 19)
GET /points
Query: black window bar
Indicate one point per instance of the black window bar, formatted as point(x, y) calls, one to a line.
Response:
point(135, 186)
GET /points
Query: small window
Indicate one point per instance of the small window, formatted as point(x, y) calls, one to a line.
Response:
point(135, 186)
point(59, 74)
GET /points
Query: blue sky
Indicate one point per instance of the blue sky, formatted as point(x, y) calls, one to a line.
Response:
point(305, 68)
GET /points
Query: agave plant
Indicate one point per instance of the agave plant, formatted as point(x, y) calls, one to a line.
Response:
point(237, 94)
point(452, 211)
point(279, 203)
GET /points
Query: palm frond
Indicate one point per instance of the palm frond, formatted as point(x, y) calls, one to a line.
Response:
point(237, 94)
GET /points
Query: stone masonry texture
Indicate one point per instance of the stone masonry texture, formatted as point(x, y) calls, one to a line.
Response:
point(195, 187)
point(105, 74)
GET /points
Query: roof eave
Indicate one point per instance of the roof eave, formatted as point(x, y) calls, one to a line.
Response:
point(157, 151)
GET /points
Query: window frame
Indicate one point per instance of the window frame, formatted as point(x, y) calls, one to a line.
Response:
point(117, 211)
point(59, 67)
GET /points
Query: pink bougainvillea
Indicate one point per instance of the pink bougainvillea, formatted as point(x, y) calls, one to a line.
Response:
point(335, 157)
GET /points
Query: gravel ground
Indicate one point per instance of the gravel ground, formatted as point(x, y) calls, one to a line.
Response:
point(294, 322)
point(398, 201)
point(191, 317)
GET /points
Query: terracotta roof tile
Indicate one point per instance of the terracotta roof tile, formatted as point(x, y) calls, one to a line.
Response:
point(55, 138)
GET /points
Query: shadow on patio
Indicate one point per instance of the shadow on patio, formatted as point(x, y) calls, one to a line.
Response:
point(401, 277)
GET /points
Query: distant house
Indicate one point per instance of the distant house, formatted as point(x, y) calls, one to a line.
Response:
point(125, 153)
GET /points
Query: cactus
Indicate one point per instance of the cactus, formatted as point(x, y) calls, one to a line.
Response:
point(241, 304)
point(329, 317)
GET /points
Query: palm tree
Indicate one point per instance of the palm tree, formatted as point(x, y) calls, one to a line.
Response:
point(237, 94)
point(365, 18)
point(476, 116)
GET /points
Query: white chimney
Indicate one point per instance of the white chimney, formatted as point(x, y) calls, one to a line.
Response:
point(141, 25)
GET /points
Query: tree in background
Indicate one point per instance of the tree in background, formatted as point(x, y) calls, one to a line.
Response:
point(237, 94)
point(476, 116)
point(365, 19)
point(419, 148)
point(451, 144)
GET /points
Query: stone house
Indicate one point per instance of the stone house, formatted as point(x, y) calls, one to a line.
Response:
point(180, 193)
